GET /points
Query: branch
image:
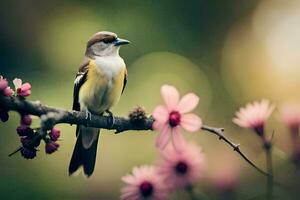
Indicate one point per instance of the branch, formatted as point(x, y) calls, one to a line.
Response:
point(51, 116)
point(236, 147)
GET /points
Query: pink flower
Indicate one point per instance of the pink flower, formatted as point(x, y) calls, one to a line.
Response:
point(26, 120)
point(51, 147)
point(290, 116)
point(26, 141)
point(54, 134)
point(254, 115)
point(25, 131)
point(181, 169)
point(3, 83)
point(22, 90)
point(4, 88)
point(28, 153)
point(8, 92)
point(173, 116)
point(144, 183)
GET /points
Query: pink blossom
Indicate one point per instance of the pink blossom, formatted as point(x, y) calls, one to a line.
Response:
point(173, 116)
point(3, 83)
point(54, 134)
point(26, 141)
point(26, 120)
point(144, 183)
point(51, 147)
point(23, 90)
point(254, 115)
point(8, 92)
point(24, 131)
point(4, 88)
point(290, 116)
point(181, 169)
point(28, 153)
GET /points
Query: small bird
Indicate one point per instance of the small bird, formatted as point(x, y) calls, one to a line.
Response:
point(99, 83)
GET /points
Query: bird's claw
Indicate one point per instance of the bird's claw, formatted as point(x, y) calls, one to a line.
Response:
point(88, 116)
point(111, 118)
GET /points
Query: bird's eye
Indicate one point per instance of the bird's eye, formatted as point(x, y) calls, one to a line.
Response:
point(109, 40)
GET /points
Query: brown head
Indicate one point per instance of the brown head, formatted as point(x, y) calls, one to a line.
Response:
point(104, 43)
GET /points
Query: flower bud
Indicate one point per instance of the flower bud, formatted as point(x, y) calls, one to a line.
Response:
point(8, 92)
point(25, 131)
point(3, 83)
point(24, 90)
point(26, 120)
point(28, 153)
point(54, 134)
point(137, 115)
point(51, 147)
point(26, 141)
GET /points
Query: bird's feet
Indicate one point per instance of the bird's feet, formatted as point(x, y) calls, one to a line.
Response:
point(88, 116)
point(111, 118)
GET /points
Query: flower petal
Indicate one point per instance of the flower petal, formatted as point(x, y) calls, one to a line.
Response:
point(191, 122)
point(253, 114)
point(163, 138)
point(178, 140)
point(25, 93)
point(188, 103)
point(8, 92)
point(157, 126)
point(129, 180)
point(3, 84)
point(170, 96)
point(26, 86)
point(160, 114)
point(17, 82)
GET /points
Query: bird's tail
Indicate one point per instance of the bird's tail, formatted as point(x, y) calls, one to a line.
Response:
point(85, 150)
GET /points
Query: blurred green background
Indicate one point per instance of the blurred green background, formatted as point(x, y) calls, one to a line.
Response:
point(227, 52)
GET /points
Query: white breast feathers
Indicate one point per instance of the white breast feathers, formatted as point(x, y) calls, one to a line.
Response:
point(110, 66)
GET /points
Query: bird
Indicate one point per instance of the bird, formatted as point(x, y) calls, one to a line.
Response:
point(98, 85)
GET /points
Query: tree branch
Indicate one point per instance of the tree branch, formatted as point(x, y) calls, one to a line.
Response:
point(51, 116)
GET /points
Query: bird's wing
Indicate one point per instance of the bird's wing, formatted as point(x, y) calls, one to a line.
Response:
point(125, 80)
point(79, 81)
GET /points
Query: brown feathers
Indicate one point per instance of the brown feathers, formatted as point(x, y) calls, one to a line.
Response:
point(104, 36)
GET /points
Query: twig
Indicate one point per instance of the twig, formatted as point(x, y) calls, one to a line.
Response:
point(15, 151)
point(51, 116)
point(236, 147)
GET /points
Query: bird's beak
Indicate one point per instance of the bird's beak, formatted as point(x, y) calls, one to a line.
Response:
point(120, 41)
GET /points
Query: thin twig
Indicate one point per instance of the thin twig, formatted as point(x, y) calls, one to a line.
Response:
point(15, 151)
point(236, 147)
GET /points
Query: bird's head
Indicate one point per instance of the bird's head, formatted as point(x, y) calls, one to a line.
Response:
point(104, 43)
